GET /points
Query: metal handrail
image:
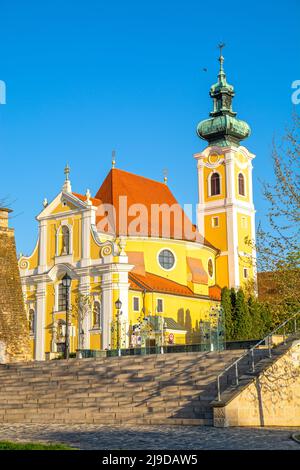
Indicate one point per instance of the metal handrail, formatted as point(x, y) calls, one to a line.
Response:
point(251, 351)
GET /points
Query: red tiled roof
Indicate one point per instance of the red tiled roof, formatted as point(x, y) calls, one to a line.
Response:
point(95, 202)
point(154, 283)
point(147, 192)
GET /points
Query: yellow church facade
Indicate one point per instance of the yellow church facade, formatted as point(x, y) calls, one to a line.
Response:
point(135, 261)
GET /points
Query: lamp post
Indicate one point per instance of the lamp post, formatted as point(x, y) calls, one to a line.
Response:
point(66, 282)
point(118, 305)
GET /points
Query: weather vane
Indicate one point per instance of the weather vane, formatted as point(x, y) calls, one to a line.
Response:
point(221, 45)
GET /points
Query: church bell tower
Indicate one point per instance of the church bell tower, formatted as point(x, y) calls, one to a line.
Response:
point(226, 215)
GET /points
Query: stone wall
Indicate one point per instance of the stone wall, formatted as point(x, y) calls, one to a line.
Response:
point(272, 399)
point(14, 330)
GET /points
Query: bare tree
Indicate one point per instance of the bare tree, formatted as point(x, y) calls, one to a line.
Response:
point(82, 308)
point(278, 247)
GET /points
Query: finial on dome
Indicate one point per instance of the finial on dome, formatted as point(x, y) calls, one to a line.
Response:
point(113, 156)
point(165, 173)
point(221, 45)
point(67, 184)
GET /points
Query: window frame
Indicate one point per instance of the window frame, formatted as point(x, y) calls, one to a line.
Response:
point(244, 194)
point(57, 305)
point(174, 256)
point(159, 299)
point(210, 184)
point(213, 268)
point(215, 217)
point(134, 298)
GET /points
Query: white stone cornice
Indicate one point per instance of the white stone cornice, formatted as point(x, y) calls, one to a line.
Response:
point(67, 197)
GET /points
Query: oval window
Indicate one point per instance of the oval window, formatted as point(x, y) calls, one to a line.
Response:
point(210, 267)
point(166, 259)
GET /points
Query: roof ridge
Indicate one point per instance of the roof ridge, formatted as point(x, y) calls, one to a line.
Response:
point(142, 177)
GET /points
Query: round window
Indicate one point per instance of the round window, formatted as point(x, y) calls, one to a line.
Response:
point(166, 259)
point(210, 267)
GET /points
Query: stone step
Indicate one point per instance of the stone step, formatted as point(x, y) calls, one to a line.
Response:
point(151, 420)
point(158, 389)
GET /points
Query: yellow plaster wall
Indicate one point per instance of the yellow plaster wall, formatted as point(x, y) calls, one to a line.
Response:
point(222, 278)
point(179, 273)
point(95, 341)
point(95, 249)
point(217, 236)
point(60, 208)
point(34, 257)
point(184, 310)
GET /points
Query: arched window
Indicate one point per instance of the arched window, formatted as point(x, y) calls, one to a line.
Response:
point(62, 298)
point(96, 314)
point(31, 321)
point(65, 240)
point(215, 184)
point(241, 180)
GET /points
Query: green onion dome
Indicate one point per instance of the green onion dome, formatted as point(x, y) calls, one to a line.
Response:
point(222, 128)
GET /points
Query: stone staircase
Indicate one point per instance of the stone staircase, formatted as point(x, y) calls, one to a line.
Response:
point(153, 389)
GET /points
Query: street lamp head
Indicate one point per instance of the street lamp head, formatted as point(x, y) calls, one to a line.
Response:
point(118, 304)
point(66, 280)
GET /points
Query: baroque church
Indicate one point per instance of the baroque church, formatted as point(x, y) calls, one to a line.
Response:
point(132, 255)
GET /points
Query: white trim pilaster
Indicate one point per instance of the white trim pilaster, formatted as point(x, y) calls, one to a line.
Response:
point(42, 246)
point(39, 353)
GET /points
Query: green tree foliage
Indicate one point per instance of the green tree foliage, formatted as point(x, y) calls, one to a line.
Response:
point(227, 309)
point(245, 317)
point(242, 323)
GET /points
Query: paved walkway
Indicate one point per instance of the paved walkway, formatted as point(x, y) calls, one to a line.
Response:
point(152, 437)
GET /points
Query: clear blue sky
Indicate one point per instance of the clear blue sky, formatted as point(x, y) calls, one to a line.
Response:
point(86, 77)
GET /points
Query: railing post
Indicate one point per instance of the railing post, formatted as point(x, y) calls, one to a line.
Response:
point(295, 325)
point(236, 374)
point(252, 360)
point(284, 340)
point(269, 346)
point(219, 390)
